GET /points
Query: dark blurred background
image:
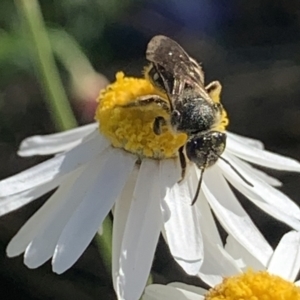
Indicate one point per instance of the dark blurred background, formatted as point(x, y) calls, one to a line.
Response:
point(251, 47)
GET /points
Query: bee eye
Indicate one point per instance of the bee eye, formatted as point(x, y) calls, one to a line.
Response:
point(205, 149)
point(218, 138)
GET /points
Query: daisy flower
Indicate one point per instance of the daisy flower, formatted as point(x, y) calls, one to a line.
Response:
point(120, 163)
point(236, 274)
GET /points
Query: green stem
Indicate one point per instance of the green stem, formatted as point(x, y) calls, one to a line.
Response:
point(44, 62)
point(63, 117)
point(104, 243)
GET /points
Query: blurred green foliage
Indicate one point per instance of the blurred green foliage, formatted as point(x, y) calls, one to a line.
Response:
point(84, 20)
point(73, 28)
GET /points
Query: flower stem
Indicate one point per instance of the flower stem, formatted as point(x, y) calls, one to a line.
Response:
point(44, 62)
point(104, 243)
point(56, 97)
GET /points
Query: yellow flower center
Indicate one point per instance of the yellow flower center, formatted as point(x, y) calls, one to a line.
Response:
point(127, 118)
point(254, 286)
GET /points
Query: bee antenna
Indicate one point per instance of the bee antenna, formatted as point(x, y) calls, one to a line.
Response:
point(236, 171)
point(198, 187)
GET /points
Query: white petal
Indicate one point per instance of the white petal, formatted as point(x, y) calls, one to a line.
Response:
point(261, 194)
point(232, 216)
point(141, 233)
point(58, 214)
point(285, 261)
point(167, 292)
point(13, 202)
point(245, 140)
point(278, 214)
point(187, 287)
point(252, 171)
point(261, 157)
point(54, 143)
point(53, 168)
point(207, 222)
point(243, 257)
point(182, 228)
point(36, 223)
point(217, 263)
point(114, 167)
point(121, 211)
point(170, 174)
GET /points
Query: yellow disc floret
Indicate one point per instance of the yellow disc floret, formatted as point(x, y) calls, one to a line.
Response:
point(126, 116)
point(127, 120)
point(254, 286)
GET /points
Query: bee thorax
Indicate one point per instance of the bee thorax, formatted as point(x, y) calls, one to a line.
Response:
point(193, 115)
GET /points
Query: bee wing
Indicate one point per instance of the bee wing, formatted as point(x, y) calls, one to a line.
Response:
point(168, 54)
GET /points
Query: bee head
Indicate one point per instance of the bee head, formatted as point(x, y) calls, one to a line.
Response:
point(204, 149)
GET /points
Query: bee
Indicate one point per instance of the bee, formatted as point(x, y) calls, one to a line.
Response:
point(192, 109)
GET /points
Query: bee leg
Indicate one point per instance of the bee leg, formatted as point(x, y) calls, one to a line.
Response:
point(182, 160)
point(148, 100)
point(157, 125)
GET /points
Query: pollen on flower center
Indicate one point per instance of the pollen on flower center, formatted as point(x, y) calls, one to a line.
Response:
point(130, 126)
point(127, 118)
point(254, 286)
